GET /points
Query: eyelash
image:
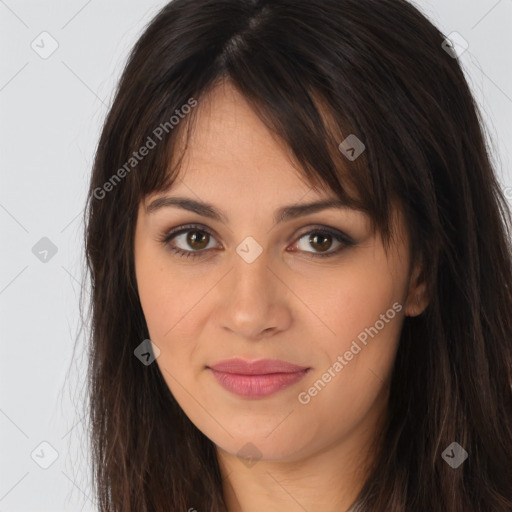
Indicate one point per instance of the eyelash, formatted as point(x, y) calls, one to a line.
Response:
point(168, 236)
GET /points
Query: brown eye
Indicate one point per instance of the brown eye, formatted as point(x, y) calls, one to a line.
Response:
point(189, 241)
point(197, 239)
point(321, 240)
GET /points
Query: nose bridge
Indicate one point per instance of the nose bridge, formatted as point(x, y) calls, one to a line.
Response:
point(251, 304)
point(251, 270)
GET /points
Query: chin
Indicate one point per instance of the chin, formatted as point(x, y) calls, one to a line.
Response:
point(261, 446)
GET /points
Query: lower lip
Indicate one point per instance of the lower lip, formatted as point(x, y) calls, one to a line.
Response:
point(257, 386)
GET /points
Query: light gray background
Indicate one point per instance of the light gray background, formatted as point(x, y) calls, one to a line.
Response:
point(51, 114)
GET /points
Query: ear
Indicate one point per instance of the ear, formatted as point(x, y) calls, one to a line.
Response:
point(417, 299)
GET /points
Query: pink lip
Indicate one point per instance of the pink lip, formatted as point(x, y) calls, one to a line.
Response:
point(257, 379)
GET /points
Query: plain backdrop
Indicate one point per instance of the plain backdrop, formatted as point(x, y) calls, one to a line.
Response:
point(52, 108)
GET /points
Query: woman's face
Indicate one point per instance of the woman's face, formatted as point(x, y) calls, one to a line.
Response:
point(254, 289)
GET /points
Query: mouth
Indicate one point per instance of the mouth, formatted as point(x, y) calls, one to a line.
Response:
point(257, 379)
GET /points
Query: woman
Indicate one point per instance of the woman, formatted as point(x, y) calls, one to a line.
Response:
point(301, 267)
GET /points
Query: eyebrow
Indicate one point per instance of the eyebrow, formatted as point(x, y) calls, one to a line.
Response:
point(283, 214)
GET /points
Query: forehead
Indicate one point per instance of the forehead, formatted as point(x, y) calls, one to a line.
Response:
point(228, 147)
point(228, 140)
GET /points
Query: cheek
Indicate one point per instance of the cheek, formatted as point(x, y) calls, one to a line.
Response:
point(349, 298)
point(171, 298)
point(154, 294)
point(362, 314)
point(158, 300)
point(165, 294)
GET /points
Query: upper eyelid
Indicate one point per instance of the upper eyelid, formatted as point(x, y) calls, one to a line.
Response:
point(171, 234)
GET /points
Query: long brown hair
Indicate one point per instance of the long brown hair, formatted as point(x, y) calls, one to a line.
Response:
point(315, 71)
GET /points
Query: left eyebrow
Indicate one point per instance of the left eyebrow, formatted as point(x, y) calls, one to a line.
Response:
point(283, 214)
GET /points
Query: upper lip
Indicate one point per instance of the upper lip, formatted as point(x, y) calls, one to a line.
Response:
point(260, 367)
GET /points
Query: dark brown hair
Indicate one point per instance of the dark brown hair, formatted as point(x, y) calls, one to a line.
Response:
point(315, 71)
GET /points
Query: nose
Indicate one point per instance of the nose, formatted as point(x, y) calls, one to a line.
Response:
point(253, 300)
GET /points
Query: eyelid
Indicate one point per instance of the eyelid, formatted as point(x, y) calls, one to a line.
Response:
point(319, 228)
point(337, 234)
point(172, 233)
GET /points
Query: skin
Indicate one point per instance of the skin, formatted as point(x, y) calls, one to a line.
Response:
point(286, 304)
